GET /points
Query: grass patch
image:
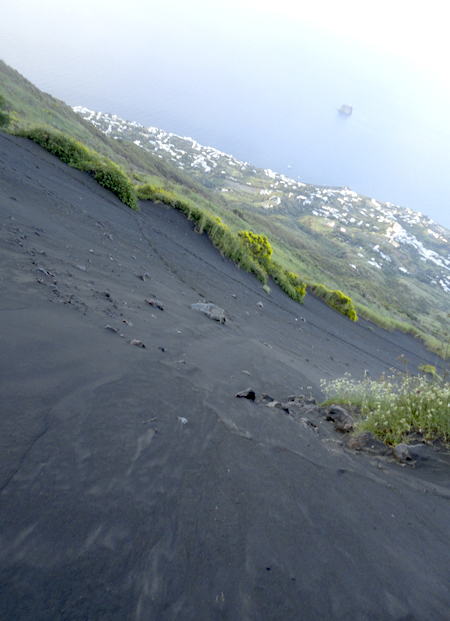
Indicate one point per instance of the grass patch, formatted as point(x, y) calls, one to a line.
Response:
point(395, 407)
point(76, 155)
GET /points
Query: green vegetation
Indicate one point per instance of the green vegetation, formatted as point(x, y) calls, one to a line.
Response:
point(29, 107)
point(430, 370)
point(335, 299)
point(5, 119)
point(221, 236)
point(258, 245)
point(395, 407)
point(76, 155)
point(391, 323)
point(260, 248)
point(333, 250)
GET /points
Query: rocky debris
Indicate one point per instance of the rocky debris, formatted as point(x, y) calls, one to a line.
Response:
point(366, 441)
point(111, 329)
point(127, 322)
point(156, 303)
point(401, 452)
point(211, 310)
point(82, 268)
point(44, 271)
point(137, 343)
point(309, 424)
point(260, 304)
point(277, 404)
point(264, 399)
point(183, 421)
point(145, 276)
point(302, 399)
point(246, 373)
point(270, 402)
point(343, 421)
point(298, 406)
point(248, 393)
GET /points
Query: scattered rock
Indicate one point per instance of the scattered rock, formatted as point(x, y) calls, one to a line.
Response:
point(128, 323)
point(278, 405)
point(137, 343)
point(401, 452)
point(82, 268)
point(309, 424)
point(211, 310)
point(297, 409)
point(155, 303)
point(249, 393)
point(302, 399)
point(265, 399)
point(111, 329)
point(41, 269)
point(366, 441)
point(343, 421)
point(246, 373)
point(183, 421)
point(270, 402)
point(260, 304)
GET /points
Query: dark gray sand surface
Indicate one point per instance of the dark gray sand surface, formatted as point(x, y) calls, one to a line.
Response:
point(133, 483)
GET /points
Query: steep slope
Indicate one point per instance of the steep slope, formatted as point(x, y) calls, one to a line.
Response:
point(133, 483)
point(387, 257)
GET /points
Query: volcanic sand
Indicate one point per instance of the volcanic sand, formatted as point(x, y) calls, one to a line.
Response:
point(112, 505)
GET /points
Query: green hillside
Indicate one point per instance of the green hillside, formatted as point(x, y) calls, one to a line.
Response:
point(392, 262)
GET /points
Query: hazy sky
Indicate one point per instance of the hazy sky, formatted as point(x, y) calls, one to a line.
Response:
point(414, 31)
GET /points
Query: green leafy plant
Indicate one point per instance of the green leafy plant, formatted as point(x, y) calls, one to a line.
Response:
point(258, 245)
point(261, 250)
point(430, 370)
point(76, 155)
point(336, 299)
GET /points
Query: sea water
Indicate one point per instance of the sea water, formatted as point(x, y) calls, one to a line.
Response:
point(271, 101)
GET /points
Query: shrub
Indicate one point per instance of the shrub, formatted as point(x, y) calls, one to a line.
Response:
point(110, 176)
point(258, 245)
point(261, 249)
point(220, 235)
point(76, 155)
point(336, 299)
point(66, 148)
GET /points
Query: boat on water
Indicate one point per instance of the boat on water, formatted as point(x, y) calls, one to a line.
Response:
point(346, 109)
